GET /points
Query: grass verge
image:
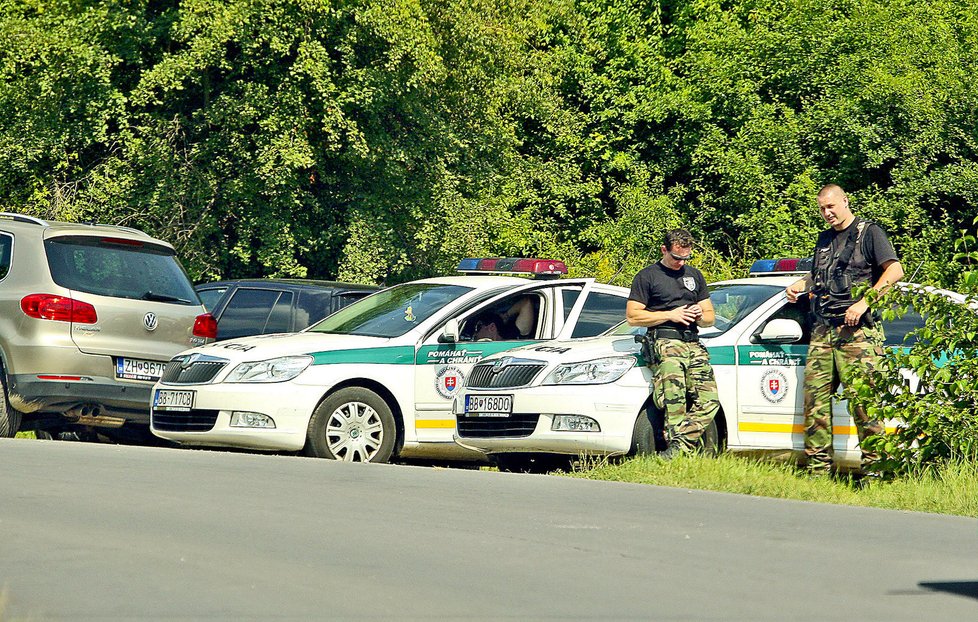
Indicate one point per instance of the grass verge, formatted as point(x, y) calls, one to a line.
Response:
point(948, 490)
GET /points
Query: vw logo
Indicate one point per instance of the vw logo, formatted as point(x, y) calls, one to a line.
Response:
point(149, 321)
point(498, 364)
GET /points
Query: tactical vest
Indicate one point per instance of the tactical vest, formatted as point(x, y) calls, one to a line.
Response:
point(834, 274)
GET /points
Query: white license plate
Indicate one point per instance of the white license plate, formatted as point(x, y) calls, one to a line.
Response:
point(137, 369)
point(173, 400)
point(488, 405)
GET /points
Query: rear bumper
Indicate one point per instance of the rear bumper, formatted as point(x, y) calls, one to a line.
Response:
point(129, 401)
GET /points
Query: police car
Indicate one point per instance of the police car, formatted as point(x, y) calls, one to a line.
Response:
point(589, 396)
point(376, 379)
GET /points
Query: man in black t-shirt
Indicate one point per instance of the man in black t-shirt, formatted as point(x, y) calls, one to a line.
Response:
point(852, 252)
point(670, 298)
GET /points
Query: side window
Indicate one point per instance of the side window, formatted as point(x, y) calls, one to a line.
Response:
point(210, 297)
point(510, 319)
point(568, 297)
point(601, 311)
point(896, 332)
point(311, 307)
point(6, 246)
point(280, 319)
point(799, 312)
point(247, 313)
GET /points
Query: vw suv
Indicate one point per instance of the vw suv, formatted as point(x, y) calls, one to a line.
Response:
point(89, 315)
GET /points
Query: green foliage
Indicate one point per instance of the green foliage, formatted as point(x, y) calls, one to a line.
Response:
point(382, 140)
point(935, 412)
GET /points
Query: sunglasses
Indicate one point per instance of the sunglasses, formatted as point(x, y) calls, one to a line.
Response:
point(680, 257)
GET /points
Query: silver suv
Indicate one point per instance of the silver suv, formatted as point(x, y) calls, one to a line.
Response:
point(89, 316)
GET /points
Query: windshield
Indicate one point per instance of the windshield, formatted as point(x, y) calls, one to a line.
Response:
point(391, 312)
point(732, 303)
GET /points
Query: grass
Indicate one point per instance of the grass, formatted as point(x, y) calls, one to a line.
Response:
point(951, 490)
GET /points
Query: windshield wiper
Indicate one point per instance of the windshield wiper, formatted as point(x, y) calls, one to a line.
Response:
point(163, 298)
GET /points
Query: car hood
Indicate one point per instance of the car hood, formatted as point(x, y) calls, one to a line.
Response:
point(573, 350)
point(263, 347)
point(578, 350)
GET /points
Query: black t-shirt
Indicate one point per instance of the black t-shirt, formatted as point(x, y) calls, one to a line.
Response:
point(662, 289)
point(876, 247)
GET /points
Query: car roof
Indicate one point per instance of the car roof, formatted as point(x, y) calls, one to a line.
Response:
point(50, 228)
point(289, 283)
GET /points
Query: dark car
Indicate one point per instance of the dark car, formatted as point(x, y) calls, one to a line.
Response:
point(258, 306)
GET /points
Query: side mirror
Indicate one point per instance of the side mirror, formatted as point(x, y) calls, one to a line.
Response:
point(450, 333)
point(780, 330)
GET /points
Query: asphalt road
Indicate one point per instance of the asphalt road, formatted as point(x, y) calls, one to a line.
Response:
point(101, 532)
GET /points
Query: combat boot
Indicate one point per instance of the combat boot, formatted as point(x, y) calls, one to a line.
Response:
point(675, 449)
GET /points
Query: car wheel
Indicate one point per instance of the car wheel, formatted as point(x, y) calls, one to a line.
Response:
point(353, 424)
point(710, 441)
point(9, 416)
point(648, 433)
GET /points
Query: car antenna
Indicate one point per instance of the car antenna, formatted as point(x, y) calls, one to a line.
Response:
point(919, 266)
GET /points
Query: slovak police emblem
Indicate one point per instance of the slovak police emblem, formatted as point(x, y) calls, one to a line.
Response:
point(689, 283)
point(448, 381)
point(774, 385)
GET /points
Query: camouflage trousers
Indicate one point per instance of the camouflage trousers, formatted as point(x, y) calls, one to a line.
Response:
point(684, 388)
point(833, 353)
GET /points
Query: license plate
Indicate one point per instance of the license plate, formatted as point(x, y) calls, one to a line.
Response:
point(488, 405)
point(137, 369)
point(173, 400)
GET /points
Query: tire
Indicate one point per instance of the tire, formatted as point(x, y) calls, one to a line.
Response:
point(710, 441)
point(9, 416)
point(354, 424)
point(648, 433)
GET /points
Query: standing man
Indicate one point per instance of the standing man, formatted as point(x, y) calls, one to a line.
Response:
point(852, 252)
point(672, 301)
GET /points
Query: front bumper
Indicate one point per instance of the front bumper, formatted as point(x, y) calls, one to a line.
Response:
point(289, 405)
point(614, 407)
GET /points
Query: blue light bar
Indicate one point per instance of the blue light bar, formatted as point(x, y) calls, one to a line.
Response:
point(763, 265)
point(468, 264)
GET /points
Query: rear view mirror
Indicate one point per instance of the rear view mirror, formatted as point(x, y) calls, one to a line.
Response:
point(449, 334)
point(780, 330)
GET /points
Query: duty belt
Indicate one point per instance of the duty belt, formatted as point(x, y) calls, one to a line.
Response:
point(690, 336)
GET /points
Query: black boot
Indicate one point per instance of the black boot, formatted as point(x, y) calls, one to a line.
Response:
point(674, 449)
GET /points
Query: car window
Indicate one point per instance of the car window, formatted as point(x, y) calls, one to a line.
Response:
point(897, 331)
point(311, 307)
point(600, 311)
point(511, 318)
point(391, 312)
point(569, 296)
point(734, 302)
point(120, 268)
point(249, 312)
point(210, 297)
point(280, 319)
point(6, 244)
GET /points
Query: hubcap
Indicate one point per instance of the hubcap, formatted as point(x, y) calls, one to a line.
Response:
point(354, 432)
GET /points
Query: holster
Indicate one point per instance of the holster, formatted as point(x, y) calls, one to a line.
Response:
point(648, 349)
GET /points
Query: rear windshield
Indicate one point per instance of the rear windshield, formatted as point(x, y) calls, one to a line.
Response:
point(391, 312)
point(119, 268)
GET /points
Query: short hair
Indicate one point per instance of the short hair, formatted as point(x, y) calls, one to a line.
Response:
point(677, 237)
point(830, 188)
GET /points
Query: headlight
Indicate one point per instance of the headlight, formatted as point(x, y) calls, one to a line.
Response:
point(272, 370)
point(598, 371)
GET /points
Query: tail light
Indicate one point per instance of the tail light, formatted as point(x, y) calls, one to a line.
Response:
point(205, 326)
point(59, 308)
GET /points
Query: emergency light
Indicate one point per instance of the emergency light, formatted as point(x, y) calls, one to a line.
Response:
point(784, 265)
point(512, 265)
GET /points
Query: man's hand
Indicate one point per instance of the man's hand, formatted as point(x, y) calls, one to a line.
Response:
point(855, 312)
point(685, 315)
point(795, 290)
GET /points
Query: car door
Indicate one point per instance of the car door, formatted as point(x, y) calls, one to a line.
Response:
point(770, 378)
point(441, 368)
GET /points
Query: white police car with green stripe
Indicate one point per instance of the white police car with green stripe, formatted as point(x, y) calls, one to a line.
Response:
point(376, 379)
point(589, 396)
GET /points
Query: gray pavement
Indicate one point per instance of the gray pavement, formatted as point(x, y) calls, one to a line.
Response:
point(101, 532)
